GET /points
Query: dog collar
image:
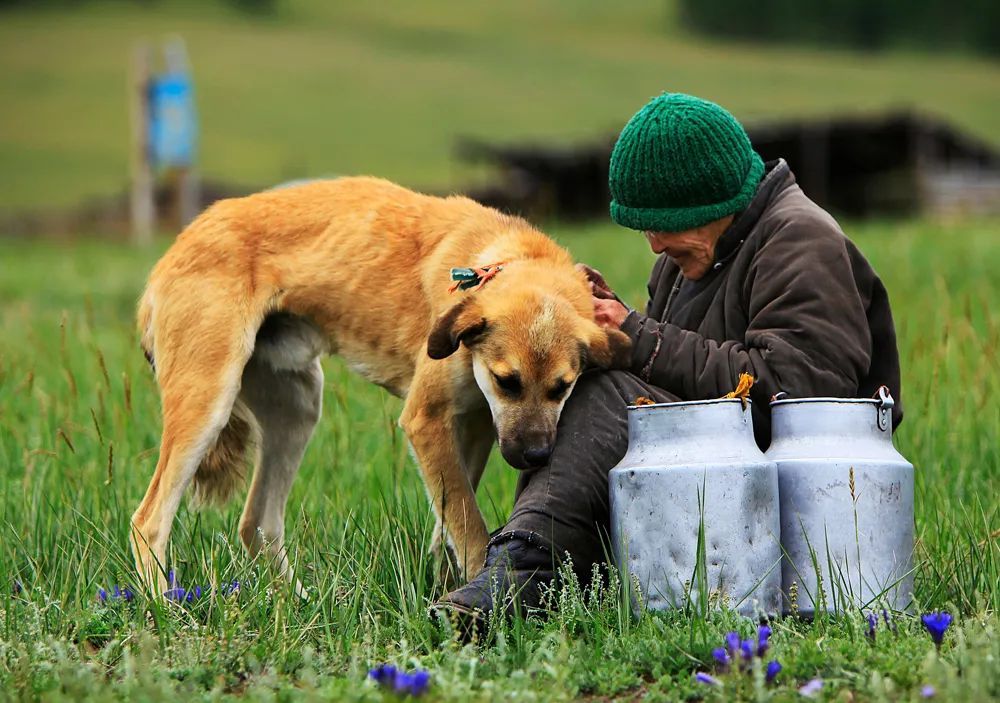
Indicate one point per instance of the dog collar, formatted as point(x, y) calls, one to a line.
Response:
point(475, 278)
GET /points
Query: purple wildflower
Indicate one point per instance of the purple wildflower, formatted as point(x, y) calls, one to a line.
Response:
point(872, 624)
point(732, 643)
point(383, 674)
point(812, 688)
point(102, 595)
point(936, 624)
point(889, 622)
point(763, 637)
point(747, 650)
point(420, 682)
point(928, 691)
point(707, 679)
point(175, 594)
point(403, 682)
point(773, 669)
point(721, 656)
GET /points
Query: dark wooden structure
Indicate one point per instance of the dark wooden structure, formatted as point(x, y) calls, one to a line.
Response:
point(859, 166)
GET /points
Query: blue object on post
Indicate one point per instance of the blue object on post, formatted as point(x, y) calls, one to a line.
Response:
point(173, 128)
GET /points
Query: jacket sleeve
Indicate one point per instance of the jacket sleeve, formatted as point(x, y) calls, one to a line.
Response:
point(807, 331)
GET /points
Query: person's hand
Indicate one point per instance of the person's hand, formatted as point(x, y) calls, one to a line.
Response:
point(599, 288)
point(609, 313)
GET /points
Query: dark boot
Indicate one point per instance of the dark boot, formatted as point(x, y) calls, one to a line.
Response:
point(519, 566)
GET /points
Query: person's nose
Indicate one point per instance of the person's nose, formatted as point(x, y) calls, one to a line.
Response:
point(655, 243)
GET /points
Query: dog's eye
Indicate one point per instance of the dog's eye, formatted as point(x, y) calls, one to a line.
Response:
point(509, 384)
point(558, 390)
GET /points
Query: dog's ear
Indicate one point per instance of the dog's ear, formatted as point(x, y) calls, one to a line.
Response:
point(609, 349)
point(463, 323)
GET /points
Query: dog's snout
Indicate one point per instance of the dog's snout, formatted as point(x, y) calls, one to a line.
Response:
point(537, 456)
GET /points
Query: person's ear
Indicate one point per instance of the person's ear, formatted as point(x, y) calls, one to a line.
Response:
point(461, 324)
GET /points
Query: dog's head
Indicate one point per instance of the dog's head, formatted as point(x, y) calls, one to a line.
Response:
point(528, 349)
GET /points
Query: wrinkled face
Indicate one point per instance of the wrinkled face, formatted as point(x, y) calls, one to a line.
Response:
point(526, 357)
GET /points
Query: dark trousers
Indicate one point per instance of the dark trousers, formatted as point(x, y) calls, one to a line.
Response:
point(566, 502)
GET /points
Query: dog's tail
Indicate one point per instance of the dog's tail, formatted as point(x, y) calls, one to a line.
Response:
point(223, 469)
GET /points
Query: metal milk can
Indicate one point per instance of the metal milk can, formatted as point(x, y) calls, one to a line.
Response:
point(846, 504)
point(692, 496)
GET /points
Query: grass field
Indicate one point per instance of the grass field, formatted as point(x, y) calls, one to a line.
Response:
point(77, 445)
point(385, 88)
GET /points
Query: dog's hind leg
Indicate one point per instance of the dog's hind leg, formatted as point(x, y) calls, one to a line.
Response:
point(200, 352)
point(287, 404)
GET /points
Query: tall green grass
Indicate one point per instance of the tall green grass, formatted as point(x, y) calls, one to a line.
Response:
point(79, 423)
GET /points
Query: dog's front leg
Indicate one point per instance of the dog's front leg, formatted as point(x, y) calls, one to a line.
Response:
point(429, 422)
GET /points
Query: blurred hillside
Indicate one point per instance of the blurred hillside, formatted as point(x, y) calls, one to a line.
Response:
point(318, 88)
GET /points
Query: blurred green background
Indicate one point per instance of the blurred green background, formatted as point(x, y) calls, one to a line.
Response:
point(303, 88)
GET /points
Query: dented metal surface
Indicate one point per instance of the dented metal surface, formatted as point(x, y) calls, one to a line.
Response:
point(846, 505)
point(688, 465)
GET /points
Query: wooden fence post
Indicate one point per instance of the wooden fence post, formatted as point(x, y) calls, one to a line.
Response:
point(142, 207)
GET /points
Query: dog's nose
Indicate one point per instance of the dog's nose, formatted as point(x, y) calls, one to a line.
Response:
point(537, 456)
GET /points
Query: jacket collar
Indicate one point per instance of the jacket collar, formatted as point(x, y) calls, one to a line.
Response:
point(777, 175)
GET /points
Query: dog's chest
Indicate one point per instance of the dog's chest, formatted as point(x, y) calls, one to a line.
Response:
point(386, 370)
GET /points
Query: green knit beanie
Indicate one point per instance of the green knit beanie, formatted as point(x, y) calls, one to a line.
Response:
point(681, 162)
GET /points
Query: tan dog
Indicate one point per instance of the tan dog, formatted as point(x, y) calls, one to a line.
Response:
point(238, 312)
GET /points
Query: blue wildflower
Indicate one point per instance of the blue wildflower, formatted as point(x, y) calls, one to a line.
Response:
point(747, 649)
point(175, 594)
point(812, 688)
point(721, 656)
point(763, 639)
point(707, 679)
point(772, 671)
point(928, 691)
point(383, 674)
point(732, 643)
point(872, 624)
point(401, 682)
point(936, 624)
point(420, 682)
point(102, 595)
point(889, 622)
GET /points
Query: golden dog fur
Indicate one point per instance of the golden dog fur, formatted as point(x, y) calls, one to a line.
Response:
point(239, 310)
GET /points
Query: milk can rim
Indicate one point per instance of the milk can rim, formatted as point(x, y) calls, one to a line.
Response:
point(681, 403)
point(824, 399)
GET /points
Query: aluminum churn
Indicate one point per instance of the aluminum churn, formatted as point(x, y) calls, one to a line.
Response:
point(846, 504)
point(690, 465)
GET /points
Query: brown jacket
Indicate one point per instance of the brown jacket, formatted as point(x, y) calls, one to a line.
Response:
point(789, 299)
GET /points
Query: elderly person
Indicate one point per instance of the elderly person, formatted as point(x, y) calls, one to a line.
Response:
point(752, 276)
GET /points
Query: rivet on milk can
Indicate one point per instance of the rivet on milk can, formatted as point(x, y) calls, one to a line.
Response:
point(694, 475)
point(846, 504)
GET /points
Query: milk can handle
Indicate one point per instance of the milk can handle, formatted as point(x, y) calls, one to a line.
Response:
point(885, 404)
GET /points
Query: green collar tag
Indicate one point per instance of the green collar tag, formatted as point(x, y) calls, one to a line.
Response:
point(465, 277)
